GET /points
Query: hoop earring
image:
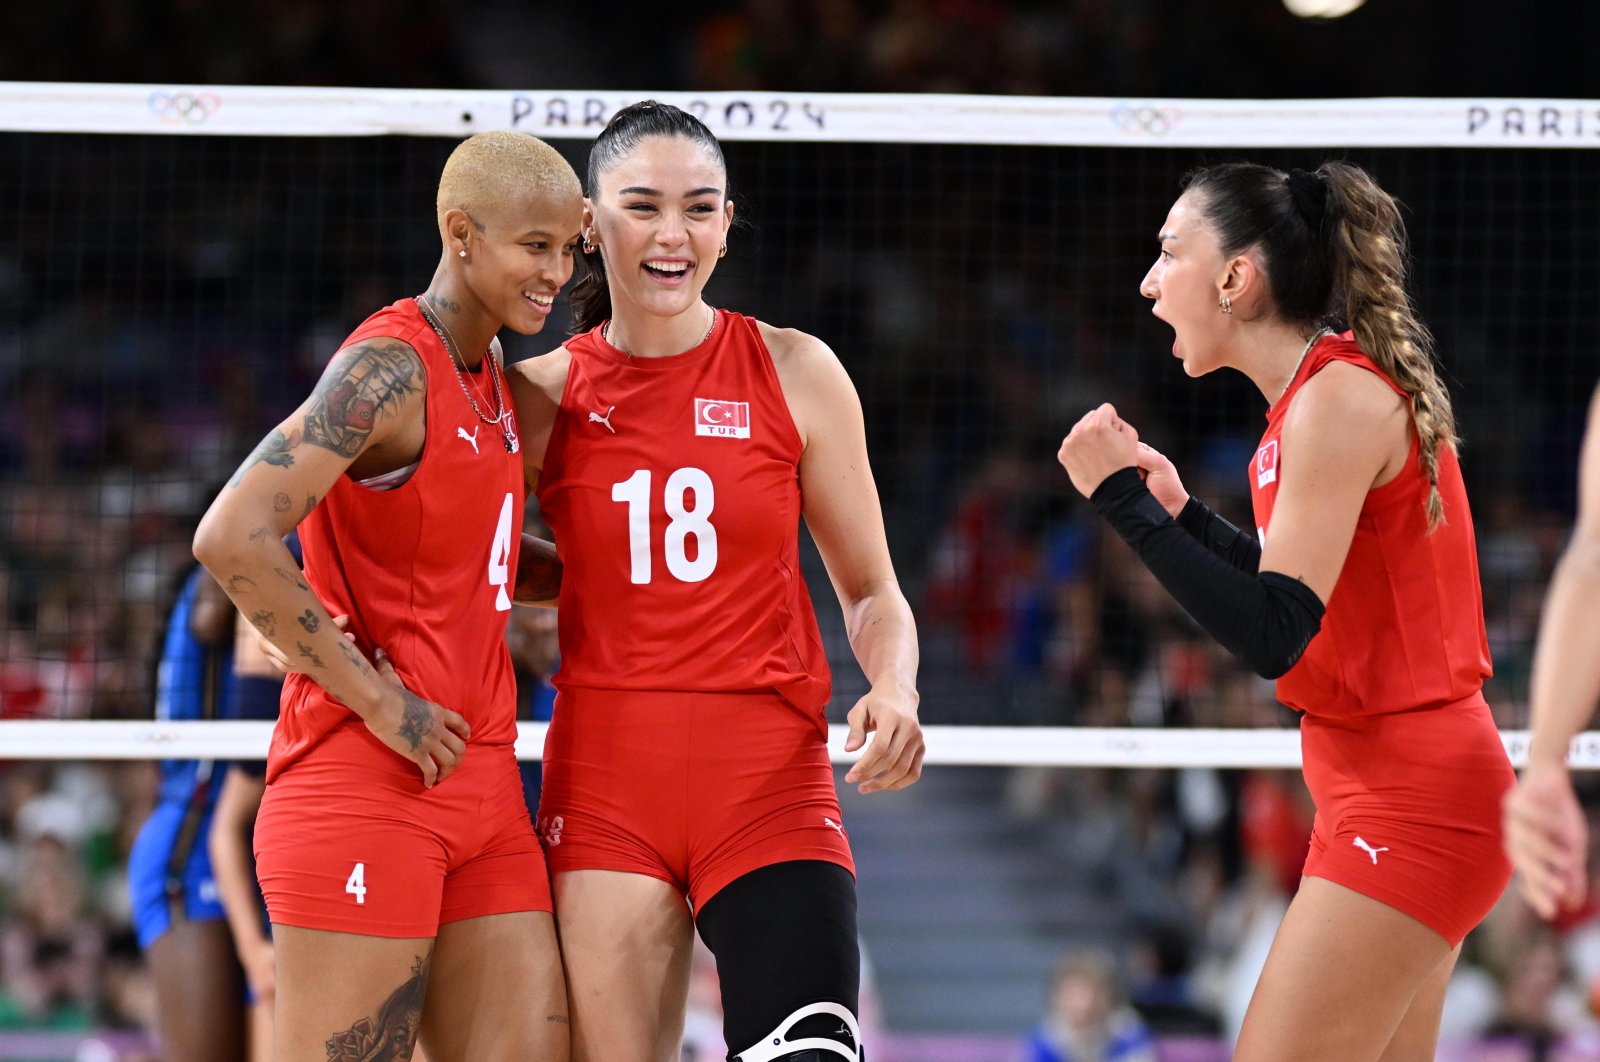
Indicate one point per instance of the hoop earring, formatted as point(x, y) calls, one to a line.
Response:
point(1226, 305)
point(589, 246)
point(723, 250)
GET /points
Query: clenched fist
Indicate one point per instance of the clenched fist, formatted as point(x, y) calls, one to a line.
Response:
point(1097, 446)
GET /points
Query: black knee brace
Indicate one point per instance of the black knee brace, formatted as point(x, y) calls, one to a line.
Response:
point(784, 937)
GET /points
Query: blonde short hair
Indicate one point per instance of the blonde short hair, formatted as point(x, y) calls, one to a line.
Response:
point(489, 170)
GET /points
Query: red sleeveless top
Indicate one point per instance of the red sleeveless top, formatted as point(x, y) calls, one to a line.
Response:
point(1404, 627)
point(424, 570)
point(672, 488)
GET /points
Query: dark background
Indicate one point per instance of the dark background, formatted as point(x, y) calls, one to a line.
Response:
point(1231, 48)
point(165, 300)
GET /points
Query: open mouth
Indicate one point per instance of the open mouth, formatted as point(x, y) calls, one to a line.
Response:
point(669, 270)
point(540, 303)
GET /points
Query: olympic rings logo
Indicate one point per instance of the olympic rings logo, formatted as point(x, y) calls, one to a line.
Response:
point(183, 108)
point(1146, 120)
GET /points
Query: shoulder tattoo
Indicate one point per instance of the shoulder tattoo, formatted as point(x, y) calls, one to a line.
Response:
point(363, 383)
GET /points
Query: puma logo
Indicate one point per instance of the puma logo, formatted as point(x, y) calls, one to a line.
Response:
point(473, 438)
point(833, 825)
point(595, 418)
point(1367, 848)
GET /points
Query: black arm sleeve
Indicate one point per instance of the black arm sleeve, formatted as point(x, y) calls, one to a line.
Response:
point(1234, 546)
point(1265, 619)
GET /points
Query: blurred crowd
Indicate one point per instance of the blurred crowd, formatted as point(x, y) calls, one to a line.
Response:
point(136, 370)
point(1120, 48)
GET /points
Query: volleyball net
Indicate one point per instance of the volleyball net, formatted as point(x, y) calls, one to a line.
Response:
point(178, 263)
point(965, 746)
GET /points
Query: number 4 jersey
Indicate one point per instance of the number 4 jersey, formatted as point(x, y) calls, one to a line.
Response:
point(424, 570)
point(672, 486)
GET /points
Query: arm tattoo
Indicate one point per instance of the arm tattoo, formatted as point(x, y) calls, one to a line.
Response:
point(281, 502)
point(260, 534)
point(265, 622)
point(417, 721)
point(391, 1034)
point(538, 571)
point(311, 503)
point(360, 385)
point(240, 584)
point(292, 578)
point(273, 450)
point(309, 621)
point(310, 654)
point(352, 654)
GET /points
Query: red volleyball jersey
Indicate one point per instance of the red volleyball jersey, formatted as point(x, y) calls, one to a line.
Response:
point(672, 487)
point(1404, 626)
point(425, 570)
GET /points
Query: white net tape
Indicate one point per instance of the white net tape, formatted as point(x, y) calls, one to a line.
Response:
point(973, 746)
point(244, 110)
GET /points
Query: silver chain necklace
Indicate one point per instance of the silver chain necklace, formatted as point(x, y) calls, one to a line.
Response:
point(504, 415)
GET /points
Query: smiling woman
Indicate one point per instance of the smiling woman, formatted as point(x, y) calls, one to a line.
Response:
point(521, 215)
point(676, 448)
point(673, 235)
point(393, 845)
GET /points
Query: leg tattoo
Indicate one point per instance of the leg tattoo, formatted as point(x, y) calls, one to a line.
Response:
point(391, 1036)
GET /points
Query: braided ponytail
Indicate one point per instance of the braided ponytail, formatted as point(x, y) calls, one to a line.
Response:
point(1369, 256)
point(1335, 253)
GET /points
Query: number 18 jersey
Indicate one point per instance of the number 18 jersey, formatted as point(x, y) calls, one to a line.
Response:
point(672, 487)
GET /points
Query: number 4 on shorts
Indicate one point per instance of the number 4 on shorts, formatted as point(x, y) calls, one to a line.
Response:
point(357, 885)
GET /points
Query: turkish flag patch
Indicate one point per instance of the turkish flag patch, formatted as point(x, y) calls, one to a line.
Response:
point(729, 420)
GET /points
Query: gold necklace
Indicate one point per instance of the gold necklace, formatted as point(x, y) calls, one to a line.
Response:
point(1301, 361)
point(605, 332)
point(503, 414)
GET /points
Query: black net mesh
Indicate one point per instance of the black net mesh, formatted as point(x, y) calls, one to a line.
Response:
point(166, 299)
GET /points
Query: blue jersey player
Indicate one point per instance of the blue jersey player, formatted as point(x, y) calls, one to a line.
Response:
point(177, 909)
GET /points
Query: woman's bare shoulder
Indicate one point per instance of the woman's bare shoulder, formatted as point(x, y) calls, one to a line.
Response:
point(546, 372)
point(795, 352)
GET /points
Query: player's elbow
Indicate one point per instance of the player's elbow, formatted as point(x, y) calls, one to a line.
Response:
point(1290, 615)
point(1279, 648)
point(866, 604)
point(1275, 665)
point(858, 593)
point(206, 548)
point(216, 545)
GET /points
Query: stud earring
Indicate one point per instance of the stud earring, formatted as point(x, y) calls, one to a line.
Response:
point(723, 250)
point(461, 254)
point(1226, 305)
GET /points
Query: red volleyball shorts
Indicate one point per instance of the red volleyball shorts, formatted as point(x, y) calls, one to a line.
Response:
point(1408, 810)
point(696, 789)
point(349, 840)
